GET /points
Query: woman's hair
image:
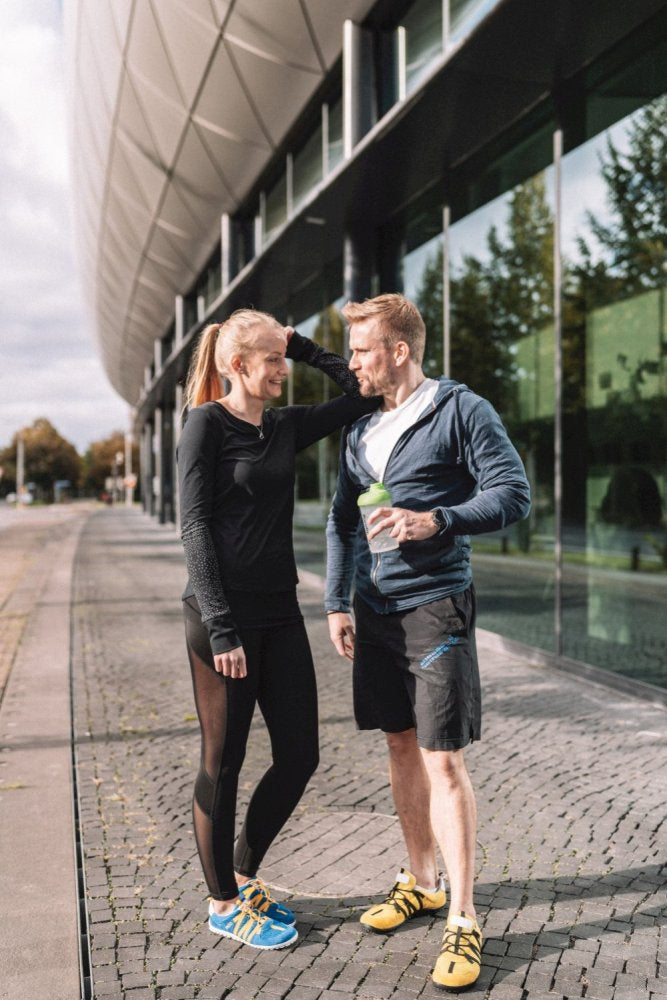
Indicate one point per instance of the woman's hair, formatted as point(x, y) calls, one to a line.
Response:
point(218, 344)
point(399, 318)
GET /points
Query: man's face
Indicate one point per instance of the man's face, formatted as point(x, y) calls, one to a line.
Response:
point(370, 360)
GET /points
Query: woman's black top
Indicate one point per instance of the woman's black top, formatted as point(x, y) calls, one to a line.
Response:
point(237, 496)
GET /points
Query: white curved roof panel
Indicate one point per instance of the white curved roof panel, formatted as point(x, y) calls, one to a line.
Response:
point(176, 108)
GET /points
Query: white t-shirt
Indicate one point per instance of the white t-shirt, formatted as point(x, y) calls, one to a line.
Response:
point(385, 427)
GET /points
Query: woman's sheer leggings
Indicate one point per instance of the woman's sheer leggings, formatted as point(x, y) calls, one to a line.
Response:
point(281, 680)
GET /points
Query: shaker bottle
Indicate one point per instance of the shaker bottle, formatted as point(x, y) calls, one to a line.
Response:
point(376, 496)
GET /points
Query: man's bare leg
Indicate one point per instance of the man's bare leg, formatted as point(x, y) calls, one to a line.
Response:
point(412, 795)
point(453, 813)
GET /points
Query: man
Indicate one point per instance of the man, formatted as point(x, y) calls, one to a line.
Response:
point(445, 457)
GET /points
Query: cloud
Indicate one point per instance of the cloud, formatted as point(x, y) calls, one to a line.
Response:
point(48, 360)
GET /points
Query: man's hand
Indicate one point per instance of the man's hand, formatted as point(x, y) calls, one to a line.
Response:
point(341, 632)
point(403, 525)
point(232, 663)
point(288, 331)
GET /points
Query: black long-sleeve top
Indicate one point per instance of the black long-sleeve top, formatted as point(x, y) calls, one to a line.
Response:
point(237, 492)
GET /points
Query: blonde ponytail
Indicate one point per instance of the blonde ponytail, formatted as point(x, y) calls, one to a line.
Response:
point(203, 384)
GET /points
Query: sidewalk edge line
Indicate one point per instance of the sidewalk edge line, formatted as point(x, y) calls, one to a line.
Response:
point(83, 925)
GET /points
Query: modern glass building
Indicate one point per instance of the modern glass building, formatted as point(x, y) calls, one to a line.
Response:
point(501, 163)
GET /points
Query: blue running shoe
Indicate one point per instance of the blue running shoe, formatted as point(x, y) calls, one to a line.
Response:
point(256, 894)
point(249, 926)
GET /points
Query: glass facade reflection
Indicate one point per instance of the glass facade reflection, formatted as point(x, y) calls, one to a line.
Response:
point(499, 270)
point(275, 208)
point(465, 14)
point(423, 39)
point(307, 169)
point(615, 410)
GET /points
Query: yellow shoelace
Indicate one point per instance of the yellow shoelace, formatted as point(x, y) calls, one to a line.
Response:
point(245, 929)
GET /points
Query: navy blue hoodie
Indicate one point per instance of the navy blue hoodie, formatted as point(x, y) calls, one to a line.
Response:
point(457, 457)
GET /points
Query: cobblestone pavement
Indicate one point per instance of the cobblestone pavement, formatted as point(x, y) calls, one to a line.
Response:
point(571, 788)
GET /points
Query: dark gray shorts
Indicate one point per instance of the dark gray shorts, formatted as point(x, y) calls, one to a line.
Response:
point(418, 668)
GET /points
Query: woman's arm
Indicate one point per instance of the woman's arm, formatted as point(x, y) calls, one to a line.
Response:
point(321, 419)
point(333, 365)
point(197, 453)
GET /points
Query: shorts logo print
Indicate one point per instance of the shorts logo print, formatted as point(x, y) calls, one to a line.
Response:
point(450, 641)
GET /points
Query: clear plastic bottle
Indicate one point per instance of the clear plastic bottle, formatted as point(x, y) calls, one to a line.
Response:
point(376, 496)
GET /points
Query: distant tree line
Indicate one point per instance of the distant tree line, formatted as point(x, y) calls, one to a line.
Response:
point(50, 458)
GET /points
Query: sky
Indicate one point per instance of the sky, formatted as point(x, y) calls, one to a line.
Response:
point(49, 365)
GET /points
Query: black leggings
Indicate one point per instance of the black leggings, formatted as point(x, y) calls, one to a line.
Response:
point(281, 680)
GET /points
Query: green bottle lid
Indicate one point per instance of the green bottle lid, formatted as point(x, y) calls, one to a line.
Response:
point(376, 495)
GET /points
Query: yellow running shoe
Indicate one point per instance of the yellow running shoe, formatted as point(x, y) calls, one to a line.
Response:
point(460, 961)
point(406, 900)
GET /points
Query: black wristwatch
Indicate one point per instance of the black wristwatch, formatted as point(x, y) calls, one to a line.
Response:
point(439, 519)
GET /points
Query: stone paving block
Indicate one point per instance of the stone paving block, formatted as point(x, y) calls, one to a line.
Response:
point(124, 968)
point(304, 993)
point(600, 993)
point(108, 990)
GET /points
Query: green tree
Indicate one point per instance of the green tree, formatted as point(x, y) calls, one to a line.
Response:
point(632, 247)
point(100, 459)
point(496, 302)
point(47, 458)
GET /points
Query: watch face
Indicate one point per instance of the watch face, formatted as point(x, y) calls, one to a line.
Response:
point(438, 518)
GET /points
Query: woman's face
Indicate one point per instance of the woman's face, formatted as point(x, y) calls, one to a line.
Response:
point(264, 369)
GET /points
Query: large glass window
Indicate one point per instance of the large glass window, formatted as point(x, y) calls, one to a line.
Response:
point(275, 210)
point(423, 39)
point(243, 243)
point(421, 273)
point(615, 413)
point(501, 345)
point(465, 14)
point(168, 342)
point(500, 243)
point(334, 134)
point(189, 311)
point(307, 168)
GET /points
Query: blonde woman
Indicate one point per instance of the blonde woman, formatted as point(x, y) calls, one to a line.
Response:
point(245, 635)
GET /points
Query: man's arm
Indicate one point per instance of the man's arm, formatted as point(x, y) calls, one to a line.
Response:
point(504, 492)
point(342, 526)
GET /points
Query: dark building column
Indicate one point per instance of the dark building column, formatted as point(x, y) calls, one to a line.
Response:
point(147, 467)
point(178, 426)
point(157, 462)
point(359, 110)
point(166, 465)
point(358, 268)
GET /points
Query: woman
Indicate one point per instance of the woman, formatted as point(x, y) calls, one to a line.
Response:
point(245, 634)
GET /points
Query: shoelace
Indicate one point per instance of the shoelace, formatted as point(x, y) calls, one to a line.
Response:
point(257, 920)
point(457, 941)
point(259, 886)
point(399, 897)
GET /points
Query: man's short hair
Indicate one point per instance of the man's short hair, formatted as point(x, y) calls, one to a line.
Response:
point(399, 320)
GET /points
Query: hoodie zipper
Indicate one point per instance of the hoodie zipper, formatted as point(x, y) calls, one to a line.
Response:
point(453, 392)
point(374, 571)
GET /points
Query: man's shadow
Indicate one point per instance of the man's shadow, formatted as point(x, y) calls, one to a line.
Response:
point(505, 954)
